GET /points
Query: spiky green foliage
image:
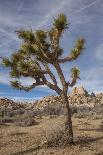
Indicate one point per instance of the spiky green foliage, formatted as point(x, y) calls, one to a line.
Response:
point(77, 50)
point(41, 35)
point(61, 22)
point(27, 36)
point(6, 62)
point(75, 72)
point(37, 51)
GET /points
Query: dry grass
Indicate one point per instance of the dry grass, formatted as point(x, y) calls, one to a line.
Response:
point(16, 140)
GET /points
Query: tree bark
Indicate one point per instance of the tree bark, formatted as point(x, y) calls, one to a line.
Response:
point(68, 121)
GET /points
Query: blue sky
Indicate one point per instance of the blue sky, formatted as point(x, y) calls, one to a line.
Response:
point(86, 20)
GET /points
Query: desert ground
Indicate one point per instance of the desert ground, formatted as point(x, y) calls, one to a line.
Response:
point(16, 140)
point(38, 128)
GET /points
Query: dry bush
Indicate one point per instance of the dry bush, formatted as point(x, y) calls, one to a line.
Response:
point(55, 110)
point(24, 121)
point(54, 136)
point(20, 111)
point(79, 115)
point(6, 119)
point(84, 109)
point(52, 110)
point(101, 125)
point(98, 109)
point(73, 109)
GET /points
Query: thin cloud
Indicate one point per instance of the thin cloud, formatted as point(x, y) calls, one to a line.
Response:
point(15, 98)
point(52, 13)
point(85, 7)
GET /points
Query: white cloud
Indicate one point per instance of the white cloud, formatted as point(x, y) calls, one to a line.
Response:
point(15, 98)
point(91, 79)
point(5, 79)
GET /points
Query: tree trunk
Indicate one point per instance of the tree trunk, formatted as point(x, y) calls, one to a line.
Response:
point(68, 121)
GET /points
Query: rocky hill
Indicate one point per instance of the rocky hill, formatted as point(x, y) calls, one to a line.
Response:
point(10, 104)
point(79, 96)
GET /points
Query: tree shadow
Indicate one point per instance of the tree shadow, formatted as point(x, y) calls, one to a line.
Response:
point(97, 129)
point(80, 140)
point(4, 125)
point(24, 152)
point(87, 140)
point(18, 134)
point(100, 153)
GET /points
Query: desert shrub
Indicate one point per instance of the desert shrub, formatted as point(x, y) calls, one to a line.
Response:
point(19, 111)
point(32, 113)
point(102, 122)
point(54, 136)
point(79, 115)
point(24, 121)
point(6, 119)
point(52, 110)
point(101, 125)
point(1, 114)
point(9, 112)
point(95, 116)
point(98, 109)
point(3, 111)
point(73, 109)
point(84, 109)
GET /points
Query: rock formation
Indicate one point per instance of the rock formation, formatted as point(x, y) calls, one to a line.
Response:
point(79, 91)
point(79, 96)
point(10, 104)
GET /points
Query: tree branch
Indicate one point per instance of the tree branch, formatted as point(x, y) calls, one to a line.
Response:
point(61, 76)
point(50, 73)
point(73, 82)
point(66, 59)
point(54, 87)
point(75, 72)
point(75, 52)
point(19, 86)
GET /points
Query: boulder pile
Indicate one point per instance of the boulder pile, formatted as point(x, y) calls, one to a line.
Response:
point(10, 104)
point(78, 97)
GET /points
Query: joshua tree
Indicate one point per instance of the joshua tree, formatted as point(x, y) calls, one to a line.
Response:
point(39, 51)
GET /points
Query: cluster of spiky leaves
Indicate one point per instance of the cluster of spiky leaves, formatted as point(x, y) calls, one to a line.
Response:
point(75, 72)
point(41, 47)
point(77, 50)
point(27, 36)
point(60, 23)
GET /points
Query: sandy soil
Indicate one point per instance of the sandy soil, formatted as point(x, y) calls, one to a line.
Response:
point(16, 140)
